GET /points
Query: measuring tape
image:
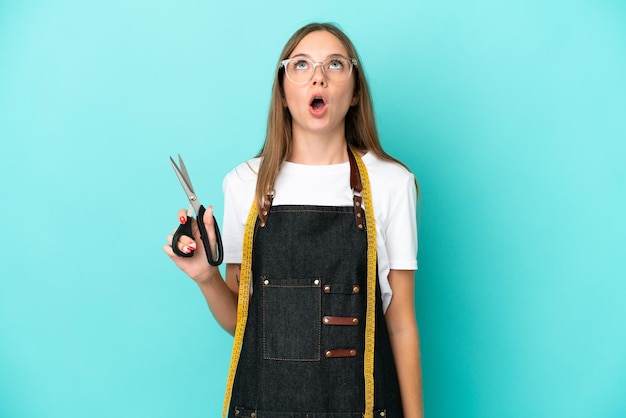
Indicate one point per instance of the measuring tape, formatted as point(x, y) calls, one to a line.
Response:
point(242, 304)
point(370, 315)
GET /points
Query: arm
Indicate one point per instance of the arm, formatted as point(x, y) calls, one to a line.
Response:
point(221, 296)
point(402, 326)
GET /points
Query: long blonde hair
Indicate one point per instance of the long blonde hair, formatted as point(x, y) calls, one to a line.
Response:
point(360, 126)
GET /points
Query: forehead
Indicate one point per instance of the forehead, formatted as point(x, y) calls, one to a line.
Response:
point(319, 45)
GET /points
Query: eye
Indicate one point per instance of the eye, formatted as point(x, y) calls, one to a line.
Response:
point(301, 64)
point(336, 64)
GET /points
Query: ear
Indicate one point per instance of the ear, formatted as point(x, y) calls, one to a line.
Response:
point(355, 100)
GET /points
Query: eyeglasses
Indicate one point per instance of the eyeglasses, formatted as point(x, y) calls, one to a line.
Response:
point(300, 70)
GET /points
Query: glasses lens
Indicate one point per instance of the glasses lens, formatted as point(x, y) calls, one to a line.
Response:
point(300, 70)
point(337, 69)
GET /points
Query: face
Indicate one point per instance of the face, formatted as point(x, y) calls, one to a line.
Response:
point(319, 106)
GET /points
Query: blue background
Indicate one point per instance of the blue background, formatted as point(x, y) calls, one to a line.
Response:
point(511, 114)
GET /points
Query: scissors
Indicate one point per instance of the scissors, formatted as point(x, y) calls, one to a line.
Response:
point(185, 229)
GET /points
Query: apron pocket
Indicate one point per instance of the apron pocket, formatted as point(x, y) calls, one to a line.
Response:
point(292, 310)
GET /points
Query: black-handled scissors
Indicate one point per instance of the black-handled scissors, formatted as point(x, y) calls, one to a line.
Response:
point(185, 229)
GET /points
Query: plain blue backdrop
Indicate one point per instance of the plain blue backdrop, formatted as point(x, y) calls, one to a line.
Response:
point(510, 113)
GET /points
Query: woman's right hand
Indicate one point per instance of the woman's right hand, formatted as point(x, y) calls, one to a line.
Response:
point(196, 267)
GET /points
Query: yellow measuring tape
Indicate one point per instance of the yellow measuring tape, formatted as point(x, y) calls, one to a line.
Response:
point(370, 318)
point(242, 304)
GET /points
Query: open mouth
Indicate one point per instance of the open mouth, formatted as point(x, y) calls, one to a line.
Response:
point(317, 103)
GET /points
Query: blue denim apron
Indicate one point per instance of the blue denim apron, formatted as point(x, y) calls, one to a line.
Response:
point(302, 352)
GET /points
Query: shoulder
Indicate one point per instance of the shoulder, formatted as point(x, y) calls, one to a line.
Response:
point(246, 171)
point(243, 175)
point(387, 175)
point(240, 183)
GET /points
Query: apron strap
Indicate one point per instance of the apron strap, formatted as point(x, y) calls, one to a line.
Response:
point(267, 204)
point(357, 188)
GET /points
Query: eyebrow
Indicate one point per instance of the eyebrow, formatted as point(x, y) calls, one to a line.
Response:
point(311, 58)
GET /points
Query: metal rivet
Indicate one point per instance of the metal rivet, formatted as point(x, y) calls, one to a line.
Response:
point(355, 320)
point(236, 411)
point(316, 282)
point(353, 352)
point(356, 289)
point(357, 203)
point(264, 213)
point(266, 281)
point(382, 413)
point(263, 225)
point(358, 215)
point(328, 353)
point(360, 226)
point(327, 288)
point(326, 320)
point(253, 415)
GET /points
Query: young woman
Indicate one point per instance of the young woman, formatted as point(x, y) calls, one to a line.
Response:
point(320, 242)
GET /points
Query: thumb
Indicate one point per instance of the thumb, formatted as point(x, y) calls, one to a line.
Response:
point(209, 224)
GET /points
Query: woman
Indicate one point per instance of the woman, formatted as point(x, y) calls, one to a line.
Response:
point(322, 264)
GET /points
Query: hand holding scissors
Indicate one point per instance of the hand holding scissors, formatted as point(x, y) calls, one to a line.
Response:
point(198, 208)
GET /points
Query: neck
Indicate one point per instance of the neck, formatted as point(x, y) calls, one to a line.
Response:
point(314, 149)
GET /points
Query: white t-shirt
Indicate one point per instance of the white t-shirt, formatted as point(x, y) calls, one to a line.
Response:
point(393, 196)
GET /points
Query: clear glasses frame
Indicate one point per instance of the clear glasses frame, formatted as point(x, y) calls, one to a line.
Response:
point(351, 61)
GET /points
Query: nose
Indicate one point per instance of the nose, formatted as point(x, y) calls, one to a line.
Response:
point(318, 76)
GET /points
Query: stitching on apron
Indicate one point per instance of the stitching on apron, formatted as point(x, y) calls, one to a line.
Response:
point(315, 284)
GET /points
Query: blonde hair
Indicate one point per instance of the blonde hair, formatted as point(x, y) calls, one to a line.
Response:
point(360, 126)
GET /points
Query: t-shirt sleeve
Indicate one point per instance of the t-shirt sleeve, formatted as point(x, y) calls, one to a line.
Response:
point(401, 226)
point(238, 187)
point(232, 230)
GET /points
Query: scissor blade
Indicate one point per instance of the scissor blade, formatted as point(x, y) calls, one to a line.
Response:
point(184, 181)
point(183, 169)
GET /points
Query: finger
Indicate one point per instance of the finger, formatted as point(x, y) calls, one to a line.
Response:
point(182, 216)
point(184, 244)
point(209, 224)
point(168, 250)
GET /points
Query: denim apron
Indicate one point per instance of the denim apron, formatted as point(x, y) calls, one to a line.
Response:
point(302, 351)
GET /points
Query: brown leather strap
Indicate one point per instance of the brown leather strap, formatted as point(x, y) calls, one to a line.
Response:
point(267, 204)
point(356, 289)
point(340, 352)
point(357, 187)
point(355, 176)
point(340, 320)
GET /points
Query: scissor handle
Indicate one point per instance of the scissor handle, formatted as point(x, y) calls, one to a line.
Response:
point(185, 229)
point(205, 240)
